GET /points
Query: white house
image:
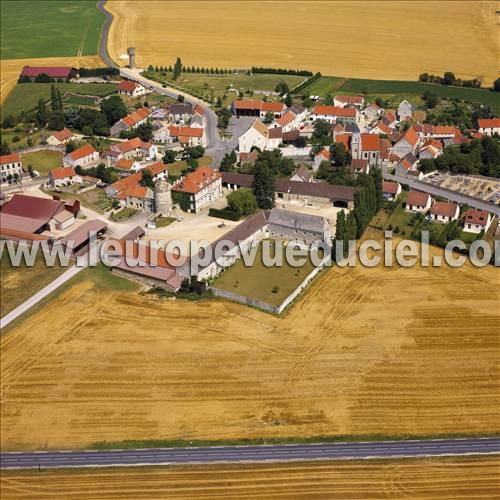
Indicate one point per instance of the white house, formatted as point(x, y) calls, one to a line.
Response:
point(405, 110)
point(372, 111)
point(287, 122)
point(444, 212)
point(348, 100)
point(130, 150)
point(63, 176)
point(86, 156)
point(61, 137)
point(132, 89)
point(391, 190)
point(489, 126)
point(133, 120)
point(418, 202)
point(407, 144)
point(476, 221)
point(200, 187)
point(256, 136)
point(366, 147)
point(188, 136)
point(10, 165)
point(334, 114)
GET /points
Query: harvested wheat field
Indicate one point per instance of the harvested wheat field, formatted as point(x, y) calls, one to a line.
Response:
point(446, 477)
point(10, 69)
point(386, 351)
point(344, 38)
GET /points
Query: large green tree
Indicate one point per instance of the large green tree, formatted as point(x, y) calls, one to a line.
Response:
point(113, 108)
point(177, 69)
point(242, 202)
point(263, 186)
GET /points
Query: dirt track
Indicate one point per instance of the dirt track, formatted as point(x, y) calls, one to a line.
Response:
point(380, 351)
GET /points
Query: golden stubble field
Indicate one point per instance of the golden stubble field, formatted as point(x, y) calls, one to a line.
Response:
point(10, 69)
point(366, 39)
point(445, 477)
point(365, 351)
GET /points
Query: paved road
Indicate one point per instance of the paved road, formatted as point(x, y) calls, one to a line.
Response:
point(103, 42)
point(34, 299)
point(235, 454)
point(445, 193)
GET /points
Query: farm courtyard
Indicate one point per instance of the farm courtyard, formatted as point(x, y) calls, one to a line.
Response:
point(381, 351)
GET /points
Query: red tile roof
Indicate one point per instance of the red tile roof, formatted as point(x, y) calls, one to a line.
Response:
point(286, 119)
point(63, 134)
point(370, 142)
point(136, 117)
point(52, 71)
point(350, 99)
point(411, 137)
point(390, 187)
point(197, 180)
point(124, 164)
point(489, 123)
point(475, 216)
point(247, 104)
point(62, 172)
point(131, 144)
point(417, 198)
point(33, 207)
point(325, 153)
point(272, 107)
point(185, 131)
point(157, 168)
point(444, 208)
point(10, 158)
point(344, 139)
point(127, 86)
point(86, 150)
point(334, 111)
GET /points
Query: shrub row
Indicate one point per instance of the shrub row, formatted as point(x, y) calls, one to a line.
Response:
point(281, 71)
point(99, 71)
point(223, 214)
point(305, 84)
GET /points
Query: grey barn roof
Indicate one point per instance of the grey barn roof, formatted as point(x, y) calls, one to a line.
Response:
point(313, 189)
point(135, 233)
point(297, 221)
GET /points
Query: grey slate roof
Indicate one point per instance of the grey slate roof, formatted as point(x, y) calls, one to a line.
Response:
point(297, 222)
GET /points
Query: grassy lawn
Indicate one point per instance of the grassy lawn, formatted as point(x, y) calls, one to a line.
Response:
point(259, 281)
point(25, 96)
point(123, 214)
point(208, 86)
point(397, 90)
point(95, 200)
point(175, 169)
point(47, 28)
point(164, 221)
point(80, 100)
point(43, 161)
point(322, 86)
point(17, 284)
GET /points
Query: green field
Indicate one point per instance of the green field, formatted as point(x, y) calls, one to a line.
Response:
point(43, 161)
point(49, 28)
point(18, 284)
point(80, 100)
point(207, 85)
point(259, 281)
point(333, 85)
point(175, 169)
point(25, 96)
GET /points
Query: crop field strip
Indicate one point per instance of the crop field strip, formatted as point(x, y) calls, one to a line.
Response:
point(424, 36)
point(354, 356)
point(446, 477)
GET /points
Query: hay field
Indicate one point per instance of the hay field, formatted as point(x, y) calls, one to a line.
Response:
point(383, 39)
point(10, 69)
point(365, 351)
point(444, 477)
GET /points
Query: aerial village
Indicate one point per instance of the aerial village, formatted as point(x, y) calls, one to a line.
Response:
point(160, 167)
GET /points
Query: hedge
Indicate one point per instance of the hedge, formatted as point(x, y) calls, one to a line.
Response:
point(99, 71)
point(281, 71)
point(305, 84)
point(223, 214)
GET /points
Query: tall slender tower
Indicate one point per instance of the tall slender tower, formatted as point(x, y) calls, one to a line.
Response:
point(163, 198)
point(131, 57)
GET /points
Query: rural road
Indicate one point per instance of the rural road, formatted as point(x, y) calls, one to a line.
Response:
point(445, 193)
point(235, 454)
point(217, 148)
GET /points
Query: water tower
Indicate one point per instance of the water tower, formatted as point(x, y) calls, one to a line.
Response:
point(163, 198)
point(131, 57)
